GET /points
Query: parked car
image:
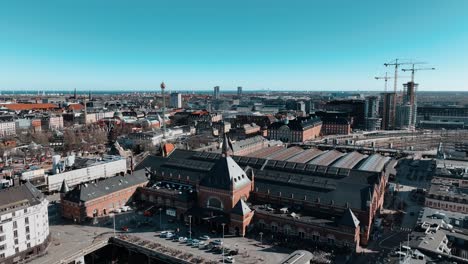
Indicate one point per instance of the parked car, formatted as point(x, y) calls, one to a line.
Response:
point(195, 243)
point(230, 259)
point(124, 228)
point(217, 242)
point(182, 239)
point(169, 235)
point(202, 244)
point(204, 237)
point(163, 234)
point(189, 241)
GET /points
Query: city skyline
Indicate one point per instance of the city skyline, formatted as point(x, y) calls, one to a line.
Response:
point(117, 45)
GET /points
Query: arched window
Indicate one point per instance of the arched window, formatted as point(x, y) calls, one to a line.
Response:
point(215, 203)
point(274, 227)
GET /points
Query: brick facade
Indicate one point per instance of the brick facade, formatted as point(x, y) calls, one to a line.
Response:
point(98, 207)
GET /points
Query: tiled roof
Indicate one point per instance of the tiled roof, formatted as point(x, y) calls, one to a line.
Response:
point(18, 107)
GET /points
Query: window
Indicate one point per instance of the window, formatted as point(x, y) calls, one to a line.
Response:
point(25, 210)
point(1, 228)
point(15, 233)
point(26, 220)
point(28, 237)
point(28, 245)
point(2, 255)
point(16, 241)
point(274, 228)
point(301, 234)
point(2, 238)
point(315, 237)
point(16, 249)
point(15, 225)
point(2, 247)
point(27, 229)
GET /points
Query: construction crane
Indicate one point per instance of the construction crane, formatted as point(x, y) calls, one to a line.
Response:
point(413, 70)
point(396, 63)
point(385, 78)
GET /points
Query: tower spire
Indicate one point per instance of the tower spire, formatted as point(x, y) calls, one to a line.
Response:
point(227, 145)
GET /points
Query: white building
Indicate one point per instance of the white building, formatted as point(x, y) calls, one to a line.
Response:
point(89, 170)
point(24, 227)
point(176, 100)
point(7, 128)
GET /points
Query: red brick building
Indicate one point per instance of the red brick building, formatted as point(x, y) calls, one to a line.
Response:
point(335, 126)
point(290, 200)
point(98, 199)
point(298, 130)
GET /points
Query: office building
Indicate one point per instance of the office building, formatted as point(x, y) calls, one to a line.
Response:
point(404, 116)
point(354, 108)
point(239, 91)
point(388, 115)
point(371, 113)
point(176, 100)
point(216, 93)
point(437, 116)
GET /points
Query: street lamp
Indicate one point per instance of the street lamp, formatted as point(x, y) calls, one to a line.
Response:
point(222, 244)
point(190, 226)
point(160, 218)
point(113, 217)
point(261, 238)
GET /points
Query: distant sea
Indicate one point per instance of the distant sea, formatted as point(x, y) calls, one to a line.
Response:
point(110, 92)
point(68, 92)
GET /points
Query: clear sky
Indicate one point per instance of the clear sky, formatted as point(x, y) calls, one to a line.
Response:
point(295, 45)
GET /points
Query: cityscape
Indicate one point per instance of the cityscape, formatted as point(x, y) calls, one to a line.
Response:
point(260, 150)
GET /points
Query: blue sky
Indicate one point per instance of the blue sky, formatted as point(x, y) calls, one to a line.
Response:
point(290, 45)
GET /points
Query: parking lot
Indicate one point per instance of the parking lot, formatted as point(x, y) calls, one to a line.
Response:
point(69, 238)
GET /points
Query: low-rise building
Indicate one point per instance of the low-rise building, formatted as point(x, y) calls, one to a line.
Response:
point(92, 200)
point(446, 195)
point(85, 170)
point(24, 226)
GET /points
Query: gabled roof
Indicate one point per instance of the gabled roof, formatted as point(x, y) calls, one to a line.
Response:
point(349, 219)
point(241, 208)
point(91, 191)
point(225, 174)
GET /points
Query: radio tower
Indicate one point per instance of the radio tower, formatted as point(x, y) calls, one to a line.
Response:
point(163, 87)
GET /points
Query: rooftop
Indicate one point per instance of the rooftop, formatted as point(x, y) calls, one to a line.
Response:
point(20, 196)
point(90, 191)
